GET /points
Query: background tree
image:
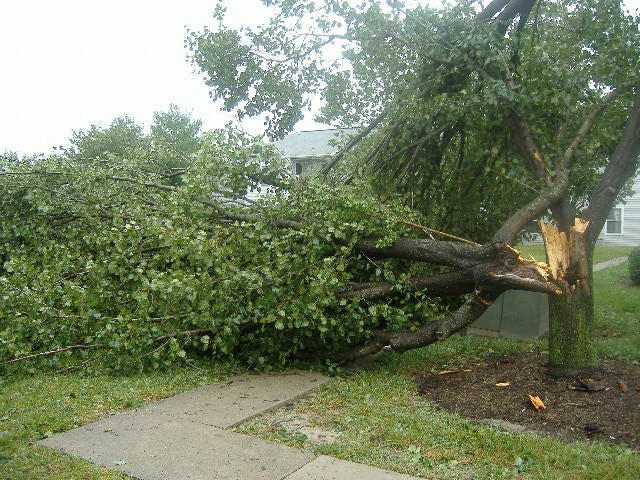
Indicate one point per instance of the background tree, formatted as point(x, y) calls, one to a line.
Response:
point(121, 139)
point(175, 138)
point(176, 130)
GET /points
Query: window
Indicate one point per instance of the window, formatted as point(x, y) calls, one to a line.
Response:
point(614, 222)
point(532, 227)
point(298, 168)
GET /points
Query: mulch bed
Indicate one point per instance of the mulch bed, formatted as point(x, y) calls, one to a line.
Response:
point(593, 408)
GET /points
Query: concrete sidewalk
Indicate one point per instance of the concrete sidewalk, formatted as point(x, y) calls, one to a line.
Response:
point(187, 436)
point(609, 263)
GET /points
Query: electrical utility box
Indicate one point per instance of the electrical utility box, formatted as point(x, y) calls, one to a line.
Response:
point(515, 314)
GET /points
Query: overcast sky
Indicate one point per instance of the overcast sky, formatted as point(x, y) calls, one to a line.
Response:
point(67, 64)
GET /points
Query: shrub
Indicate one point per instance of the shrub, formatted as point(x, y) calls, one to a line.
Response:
point(634, 265)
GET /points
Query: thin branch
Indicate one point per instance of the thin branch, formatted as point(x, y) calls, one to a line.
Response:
point(156, 349)
point(196, 331)
point(437, 232)
point(80, 365)
point(353, 142)
point(52, 352)
point(587, 125)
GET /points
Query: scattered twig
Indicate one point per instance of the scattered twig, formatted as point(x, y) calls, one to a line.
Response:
point(52, 352)
point(79, 365)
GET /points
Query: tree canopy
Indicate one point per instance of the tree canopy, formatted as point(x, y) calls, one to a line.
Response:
point(457, 99)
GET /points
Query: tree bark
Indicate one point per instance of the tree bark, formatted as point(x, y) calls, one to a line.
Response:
point(571, 315)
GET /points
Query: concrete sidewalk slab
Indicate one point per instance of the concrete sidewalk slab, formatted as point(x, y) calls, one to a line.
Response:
point(155, 446)
point(184, 437)
point(231, 402)
point(328, 468)
point(609, 263)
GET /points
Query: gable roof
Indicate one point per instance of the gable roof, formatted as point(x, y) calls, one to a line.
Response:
point(314, 143)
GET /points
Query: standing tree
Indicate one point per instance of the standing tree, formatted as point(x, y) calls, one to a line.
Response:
point(176, 130)
point(175, 137)
point(484, 121)
point(121, 139)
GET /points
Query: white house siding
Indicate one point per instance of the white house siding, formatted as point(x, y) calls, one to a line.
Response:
point(630, 236)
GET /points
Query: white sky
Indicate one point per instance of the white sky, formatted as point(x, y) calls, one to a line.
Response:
point(67, 64)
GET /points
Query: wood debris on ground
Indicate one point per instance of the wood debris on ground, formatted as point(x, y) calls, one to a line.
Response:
point(537, 403)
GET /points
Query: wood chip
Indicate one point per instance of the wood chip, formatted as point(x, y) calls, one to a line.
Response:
point(588, 385)
point(537, 403)
point(447, 372)
point(622, 386)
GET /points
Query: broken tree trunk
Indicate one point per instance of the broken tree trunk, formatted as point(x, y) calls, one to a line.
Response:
point(571, 315)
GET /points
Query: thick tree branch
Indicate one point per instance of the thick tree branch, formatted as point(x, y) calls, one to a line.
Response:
point(436, 330)
point(506, 11)
point(453, 254)
point(587, 125)
point(442, 285)
point(491, 275)
point(533, 160)
point(516, 222)
point(621, 167)
point(491, 10)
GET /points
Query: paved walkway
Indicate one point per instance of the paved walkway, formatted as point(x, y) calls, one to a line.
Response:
point(187, 436)
point(609, 263)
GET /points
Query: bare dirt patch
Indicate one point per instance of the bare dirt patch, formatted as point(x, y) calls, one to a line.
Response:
point(590, 408)
point(296, 422)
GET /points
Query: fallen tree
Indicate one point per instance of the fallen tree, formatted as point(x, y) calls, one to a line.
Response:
point(107, 262)
point(112, 262)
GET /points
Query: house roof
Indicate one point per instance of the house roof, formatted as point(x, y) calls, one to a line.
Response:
point(313, 143)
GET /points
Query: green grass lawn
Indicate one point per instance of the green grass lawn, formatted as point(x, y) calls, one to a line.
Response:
point(617, 305)
point(600, 254)
point(381, 418)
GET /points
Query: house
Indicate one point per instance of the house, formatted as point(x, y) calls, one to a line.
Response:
point(310, 150)
point(623, 223)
